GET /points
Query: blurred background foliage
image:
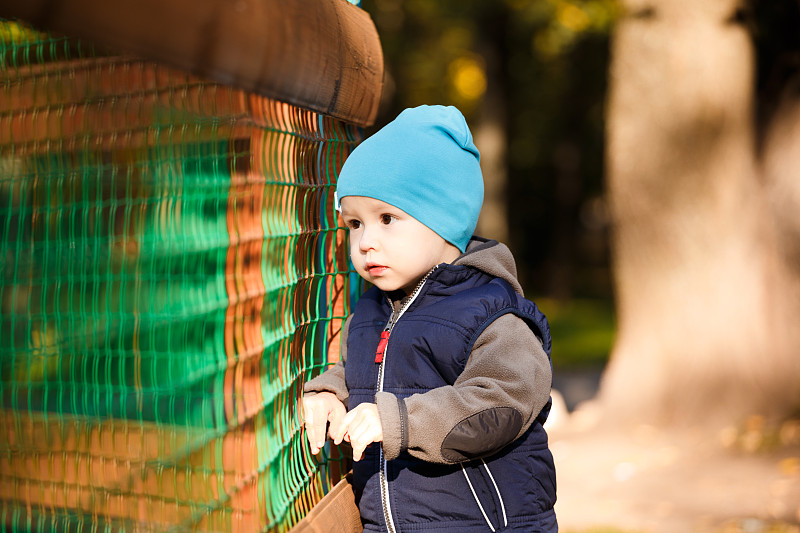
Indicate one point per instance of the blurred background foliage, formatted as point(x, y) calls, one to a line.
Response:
point(536, 68)
point(539, 69)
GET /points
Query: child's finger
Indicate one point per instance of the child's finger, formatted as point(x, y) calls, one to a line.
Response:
point(358, 456)
point(316, 436)
point(308, 422)
point(315, 425)
point(358, 449)
point(340, 429)
point(361, 437)
point(335, 418)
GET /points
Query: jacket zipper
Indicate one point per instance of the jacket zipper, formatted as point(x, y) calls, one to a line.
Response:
point(380, 357)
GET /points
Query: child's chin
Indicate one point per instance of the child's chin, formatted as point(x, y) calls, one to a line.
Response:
point(385, 285)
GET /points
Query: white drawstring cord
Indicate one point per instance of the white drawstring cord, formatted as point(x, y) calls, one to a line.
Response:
point(502, 505)
point(476, 499)
point(474, 495)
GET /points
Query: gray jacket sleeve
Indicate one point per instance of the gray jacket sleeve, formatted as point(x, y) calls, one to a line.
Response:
point(505, 384)
point(332, 380)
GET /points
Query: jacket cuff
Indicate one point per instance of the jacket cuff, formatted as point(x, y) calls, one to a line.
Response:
point(326, 382)
point(394, 423)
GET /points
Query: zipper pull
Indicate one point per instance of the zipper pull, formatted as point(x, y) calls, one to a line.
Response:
point(382, 345)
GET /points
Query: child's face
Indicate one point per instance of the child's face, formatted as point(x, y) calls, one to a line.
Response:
point(390, 248)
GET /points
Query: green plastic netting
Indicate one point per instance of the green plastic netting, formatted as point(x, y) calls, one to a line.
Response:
point(169, 278)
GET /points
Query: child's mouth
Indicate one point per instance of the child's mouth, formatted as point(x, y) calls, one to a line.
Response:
point(375, 270)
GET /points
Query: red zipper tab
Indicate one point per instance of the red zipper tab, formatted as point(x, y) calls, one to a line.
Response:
point(382, 346)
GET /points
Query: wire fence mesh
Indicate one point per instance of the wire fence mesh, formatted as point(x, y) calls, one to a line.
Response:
point(170, 275)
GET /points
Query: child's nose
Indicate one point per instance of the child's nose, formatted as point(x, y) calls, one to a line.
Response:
point(367, 241)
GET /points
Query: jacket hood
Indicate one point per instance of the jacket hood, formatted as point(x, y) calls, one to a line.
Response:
point(491, 257)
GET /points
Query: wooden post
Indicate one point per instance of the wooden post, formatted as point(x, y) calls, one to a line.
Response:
point(323, 55)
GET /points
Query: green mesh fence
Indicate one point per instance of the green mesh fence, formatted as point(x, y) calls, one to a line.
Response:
point(169, 277)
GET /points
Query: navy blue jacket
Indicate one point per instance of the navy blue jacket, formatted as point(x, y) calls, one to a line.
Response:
point(428, 348)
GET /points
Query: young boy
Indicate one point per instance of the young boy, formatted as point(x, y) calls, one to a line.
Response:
point(444, 380)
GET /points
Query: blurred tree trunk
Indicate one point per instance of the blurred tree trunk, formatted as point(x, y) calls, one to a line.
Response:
point(705, 214)
point(490, 133)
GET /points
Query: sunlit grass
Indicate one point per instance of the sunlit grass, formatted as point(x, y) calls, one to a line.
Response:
point(582, 330)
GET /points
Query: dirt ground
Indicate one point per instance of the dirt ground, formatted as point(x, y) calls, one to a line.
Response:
point(646, 479)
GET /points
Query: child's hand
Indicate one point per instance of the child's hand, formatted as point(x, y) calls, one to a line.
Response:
point(362, 427)
point(318, 411)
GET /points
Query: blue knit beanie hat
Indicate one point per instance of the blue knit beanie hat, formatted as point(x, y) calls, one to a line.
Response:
point(425, 163)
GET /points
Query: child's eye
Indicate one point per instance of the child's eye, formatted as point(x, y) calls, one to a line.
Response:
point(387, 219)
point(353, 224)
